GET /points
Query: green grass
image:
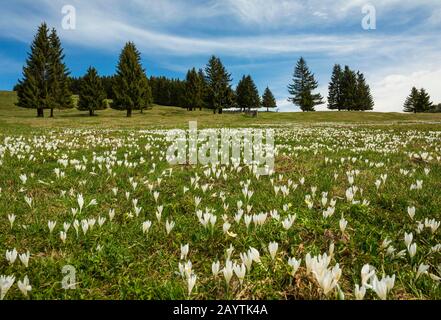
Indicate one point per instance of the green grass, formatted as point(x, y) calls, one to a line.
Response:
point(171, 117)
point(118, 261)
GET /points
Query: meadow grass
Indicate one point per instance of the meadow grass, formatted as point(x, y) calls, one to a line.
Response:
point(74, 155)
point(172, 117)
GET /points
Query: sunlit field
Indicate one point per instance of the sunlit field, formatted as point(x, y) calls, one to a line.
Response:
point(351, 211)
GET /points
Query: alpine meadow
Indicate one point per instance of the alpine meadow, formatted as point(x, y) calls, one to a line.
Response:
point(236, 152)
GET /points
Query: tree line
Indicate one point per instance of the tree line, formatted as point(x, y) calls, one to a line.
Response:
point(46, 84)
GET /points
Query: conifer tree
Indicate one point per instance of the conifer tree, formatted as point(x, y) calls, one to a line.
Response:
point(364, 99)
point(218, 85)
point(349, 89)
point(194, 90)
point(45, 83)
point(33, 90)
point(203, 80)
point(92, 94)
point(302, 88)
point(131, 87)
point(410, 105)
point(268, 100)
point(335, 97)
point(423, 102)
point(247, 95)
point(59, 91)
point(231, 99)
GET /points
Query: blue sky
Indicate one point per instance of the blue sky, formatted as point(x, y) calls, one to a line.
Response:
point(263, 38)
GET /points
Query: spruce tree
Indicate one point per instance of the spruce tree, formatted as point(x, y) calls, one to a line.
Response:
point(247, 95)
point(194, 90)
point(91, 94)
point(411, 104)
point(203, 80)
point(364, 99)
point(335, 98)
point(231, 99)
point(268, 100)
point(59, 91)
point(302, 88)
point(349, 89)
point(131, 87)
point(33, 90)
point(218, 85)
point(423, 102)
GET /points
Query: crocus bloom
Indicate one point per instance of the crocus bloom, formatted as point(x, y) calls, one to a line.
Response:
point(24, 286)
point(273, 247)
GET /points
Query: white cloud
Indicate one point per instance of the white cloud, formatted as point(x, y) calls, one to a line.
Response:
point(391, 91)
point(159, 28)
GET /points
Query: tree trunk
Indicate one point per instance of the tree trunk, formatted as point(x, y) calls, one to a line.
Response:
point(267, 109)
point(40, 113)
point(142, 110)
point(214, 111)
point(52, 113)
point(221, 111)
point(129, 113)
point(91, 112)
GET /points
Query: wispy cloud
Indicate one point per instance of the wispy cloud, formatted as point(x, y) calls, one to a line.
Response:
point(257, 36)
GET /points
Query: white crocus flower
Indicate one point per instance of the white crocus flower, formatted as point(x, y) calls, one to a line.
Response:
point(191, 282)
point(422, 269)
point(184, 251)
point(408, 238)
point(380, 288)
point(412, 250)
point(228, 272)
point(343, 225)
point(215, 268)
point(11, 218)
point(247, 260)
point(111, 214)
point(273, 247)
point(240, 271)
point(350, 195)
point(359, 292)
point(294, 264)
point(51, 225)
point(23, 178)
point(169, 226)
point(28, 200)
point(146, 227)
point(84, 226)
point(80, 201)
point(101, 221)
point(367, 272)
point(411, 212)
point(63, 236)
point(11, 256)
point(254, 254)
point(6, 283)
point(385, 244)
point(24, 286)
point(24, 258)
point(156, 196)
point(197, 201)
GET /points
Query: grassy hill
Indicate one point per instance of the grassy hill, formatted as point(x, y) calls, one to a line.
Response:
point(166, 117)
